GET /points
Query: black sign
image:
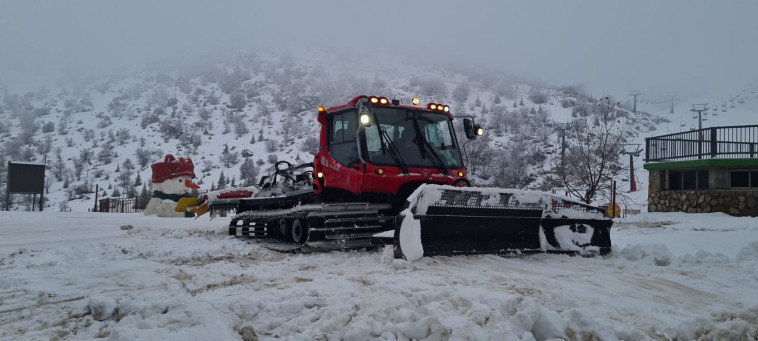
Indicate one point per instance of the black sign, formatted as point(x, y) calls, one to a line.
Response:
point(26, 178)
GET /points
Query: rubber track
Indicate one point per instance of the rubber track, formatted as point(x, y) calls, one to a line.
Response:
point(276, 244)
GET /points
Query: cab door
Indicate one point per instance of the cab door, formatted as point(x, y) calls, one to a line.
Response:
point(346, 169)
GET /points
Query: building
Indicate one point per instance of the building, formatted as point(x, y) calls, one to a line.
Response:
point(707, 170)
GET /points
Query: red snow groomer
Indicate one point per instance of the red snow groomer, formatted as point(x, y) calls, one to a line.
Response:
point(388, 172)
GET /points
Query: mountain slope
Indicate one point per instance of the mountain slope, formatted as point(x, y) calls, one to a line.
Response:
point(107, 131)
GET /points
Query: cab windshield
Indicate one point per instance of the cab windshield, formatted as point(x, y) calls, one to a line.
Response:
point(417, 135)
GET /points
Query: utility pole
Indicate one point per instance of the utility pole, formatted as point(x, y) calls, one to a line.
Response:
point(634, 94)
point(632, 154)
point(97, 191)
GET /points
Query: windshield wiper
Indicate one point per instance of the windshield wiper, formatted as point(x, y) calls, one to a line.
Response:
point(428, 149)
point(389, 145)
point(436, 157)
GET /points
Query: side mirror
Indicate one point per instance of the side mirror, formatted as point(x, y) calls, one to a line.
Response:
point(472, 130)
point(468, 128)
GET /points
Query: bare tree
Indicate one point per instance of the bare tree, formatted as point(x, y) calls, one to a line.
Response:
point(591, 157)
point(513, 166)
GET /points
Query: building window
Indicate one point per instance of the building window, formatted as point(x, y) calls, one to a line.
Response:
point(675, 180)
point(687, 180)
point(743, 178)
point(702, 179)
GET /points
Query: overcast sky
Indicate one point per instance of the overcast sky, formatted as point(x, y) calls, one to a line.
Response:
point(671, 46)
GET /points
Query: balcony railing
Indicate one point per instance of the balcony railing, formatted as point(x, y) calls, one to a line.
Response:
point(735, 142)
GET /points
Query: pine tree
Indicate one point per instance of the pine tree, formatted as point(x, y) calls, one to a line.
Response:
point(521, 102)
point(213, 187)
point(497, 99)
point(117, 169)
point(131, 192)
point(515, 105)
point(116, 193)
point(221, 181)
point(233, 184)
point(144, 197)
point(138, 181)
point(105, 194)
point(477, 102)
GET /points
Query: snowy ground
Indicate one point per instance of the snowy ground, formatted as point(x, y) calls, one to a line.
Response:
point(127, 276)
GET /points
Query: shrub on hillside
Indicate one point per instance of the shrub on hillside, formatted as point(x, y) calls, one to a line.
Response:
point(538, 97)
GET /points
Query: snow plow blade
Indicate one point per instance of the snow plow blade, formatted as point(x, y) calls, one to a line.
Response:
point(446, 220)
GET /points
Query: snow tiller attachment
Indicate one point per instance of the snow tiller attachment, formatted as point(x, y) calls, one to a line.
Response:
point(446, 220)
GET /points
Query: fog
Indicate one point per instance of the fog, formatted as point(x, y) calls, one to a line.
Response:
point(677, 47)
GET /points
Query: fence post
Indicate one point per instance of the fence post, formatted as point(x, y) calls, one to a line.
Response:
point(714, 144)
point(647, 149)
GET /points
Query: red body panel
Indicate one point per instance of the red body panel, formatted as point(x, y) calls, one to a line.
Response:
point(363, 178)
point(236, 194)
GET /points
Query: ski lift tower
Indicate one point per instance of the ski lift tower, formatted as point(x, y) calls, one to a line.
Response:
point(699, 109)
point(634, 94)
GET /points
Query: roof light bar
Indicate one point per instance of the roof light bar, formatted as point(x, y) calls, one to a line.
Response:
point(379, 100)
point(438, 107)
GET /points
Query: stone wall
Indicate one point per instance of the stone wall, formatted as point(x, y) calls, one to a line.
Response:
point(734, 202)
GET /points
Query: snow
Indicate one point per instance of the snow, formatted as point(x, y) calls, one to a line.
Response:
point(129, 276)
point(410, 236)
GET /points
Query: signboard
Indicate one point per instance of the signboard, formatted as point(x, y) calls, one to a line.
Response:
point(25, 178)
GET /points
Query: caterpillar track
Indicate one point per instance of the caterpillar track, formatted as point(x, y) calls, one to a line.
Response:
point(312, 227)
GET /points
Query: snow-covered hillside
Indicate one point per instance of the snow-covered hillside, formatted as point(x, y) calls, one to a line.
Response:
point(81, 276)
point(258, 108)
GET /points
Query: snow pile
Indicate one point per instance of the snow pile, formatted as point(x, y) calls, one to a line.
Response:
point(81, 276)
point(656, 254)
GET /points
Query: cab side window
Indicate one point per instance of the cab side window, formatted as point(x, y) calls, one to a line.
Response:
point(342, 143)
